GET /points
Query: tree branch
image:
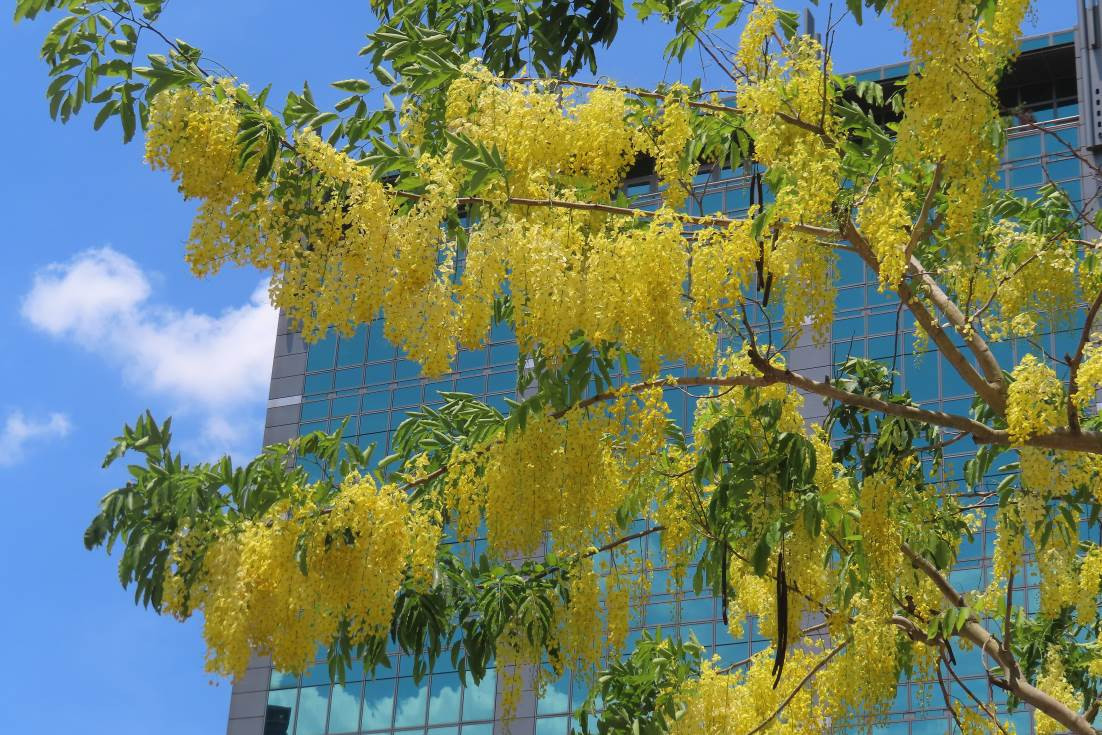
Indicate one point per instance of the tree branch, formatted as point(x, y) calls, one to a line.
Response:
point(986, 359)
point(990, 392)
point(982, 705)
point(922, 227)
point(1075, 361)
point(635, 91)
point(978, 635)
point(803, 682)
point(948, 699)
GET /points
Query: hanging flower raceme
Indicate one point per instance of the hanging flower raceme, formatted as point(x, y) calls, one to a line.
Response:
point(284, 582)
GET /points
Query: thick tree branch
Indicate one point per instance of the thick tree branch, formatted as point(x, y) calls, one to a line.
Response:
point(991, 392)
point(978, 635)
point(1090, 442)
point(912, 631)
point(984, 356)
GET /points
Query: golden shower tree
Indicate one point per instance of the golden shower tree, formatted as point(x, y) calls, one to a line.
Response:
point(490, 193)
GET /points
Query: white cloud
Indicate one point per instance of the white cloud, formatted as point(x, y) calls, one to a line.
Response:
point(218, 364)
point(18, 431)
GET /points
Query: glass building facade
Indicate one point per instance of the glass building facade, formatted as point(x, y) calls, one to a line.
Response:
point(364, 380)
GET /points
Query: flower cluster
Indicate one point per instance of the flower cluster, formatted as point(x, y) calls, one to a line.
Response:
point(299, 574)
point(1035, 400)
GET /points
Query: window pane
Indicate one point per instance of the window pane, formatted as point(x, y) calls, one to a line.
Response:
point(444, 702)
point(316, 674)
point(314, 410)
point(312, 705)
point(556, 697)
point(351, 350)
point(349, 378)
point(318, 383)
point(469, 360)
point(412, 698)
point(346, 405)
point(478, 699)
point(344, 709)
point(320, 354)
point(283, 680)
point(281, 712)
point(552, 725)
point(378, 704)
point(380, 373)
point(378, 348)
point(478, 729)
point(1027, 145)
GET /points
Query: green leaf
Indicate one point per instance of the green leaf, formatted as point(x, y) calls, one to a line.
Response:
point(358, 86)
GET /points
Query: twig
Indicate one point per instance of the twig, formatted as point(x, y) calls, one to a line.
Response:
point(1076, 361)
point(815, 670)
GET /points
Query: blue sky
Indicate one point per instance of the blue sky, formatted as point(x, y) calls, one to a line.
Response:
point(100, 319)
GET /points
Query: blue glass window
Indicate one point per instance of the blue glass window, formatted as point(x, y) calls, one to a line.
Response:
point(503, 381)
point(373, 422)
point(850, 269)
point(922, 380)
point(283, 680)
point(850, 298)
point(377, 346)
point(697, 609)
point(316, 674)
point(444, 700)
point(552, 725)
point(1025, 176)
point(411, 702)
point(1066, 168)
point(711, 202)
point(474, 384)
point(314, 410)
point(556, 697)
point(319, 356)
point(1074, 190)
point(346, 405)
point(313, 704)
point(378, 704)
point(738, 199)
point(407, 369)
point(1023, 147)
point(951, 382)
point(377, 401)
point(353, 348)
point(280, 715)
point(471, 359)
point(349, 378)
point(381, 372)
point(409, 395)
point(1068, 137)
point(318, 383)
point(504, 354)
point(478, 699)
point(883, 347)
